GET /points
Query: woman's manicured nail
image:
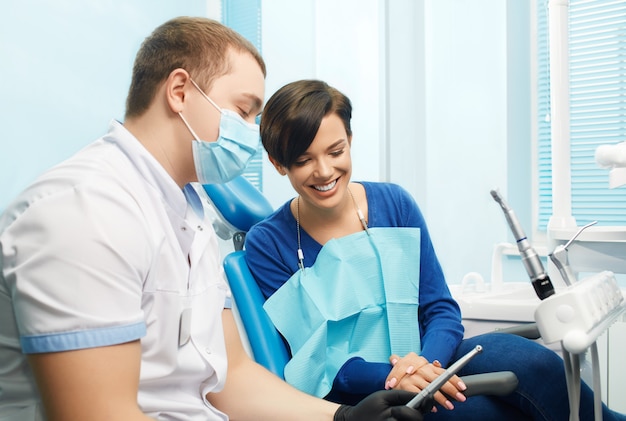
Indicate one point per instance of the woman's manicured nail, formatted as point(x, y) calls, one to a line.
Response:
point(410, 369)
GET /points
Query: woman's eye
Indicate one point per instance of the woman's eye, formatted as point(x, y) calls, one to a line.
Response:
point(301, 162)
point(337, 153)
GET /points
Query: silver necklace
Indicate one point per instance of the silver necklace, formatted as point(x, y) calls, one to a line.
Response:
point(300, 253)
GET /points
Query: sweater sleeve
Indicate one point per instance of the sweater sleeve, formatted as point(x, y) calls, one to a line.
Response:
point(439, 314)
point(361, 377)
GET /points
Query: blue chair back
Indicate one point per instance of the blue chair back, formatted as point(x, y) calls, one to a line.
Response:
point(267, 345)
point(240, 205)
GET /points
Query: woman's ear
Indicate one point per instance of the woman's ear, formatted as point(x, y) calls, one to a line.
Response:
point(175, 86)
point(281, 170)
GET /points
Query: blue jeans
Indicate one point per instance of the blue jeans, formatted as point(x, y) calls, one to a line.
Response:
point(542, 390)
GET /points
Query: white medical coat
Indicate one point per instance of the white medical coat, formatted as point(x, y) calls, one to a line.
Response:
point(104, 249)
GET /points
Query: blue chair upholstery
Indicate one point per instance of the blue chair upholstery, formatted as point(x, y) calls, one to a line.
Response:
point(239, 202)
point(267, 345)
point(240, 205)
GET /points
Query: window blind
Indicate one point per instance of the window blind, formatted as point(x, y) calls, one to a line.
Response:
point(244, 16)
point(597, 56)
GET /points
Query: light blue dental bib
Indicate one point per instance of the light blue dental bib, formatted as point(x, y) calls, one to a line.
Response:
point(360, 298)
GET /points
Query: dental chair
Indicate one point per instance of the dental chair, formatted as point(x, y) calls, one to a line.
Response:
point(238, 205)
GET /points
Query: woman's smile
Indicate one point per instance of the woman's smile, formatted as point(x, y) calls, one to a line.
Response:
point(326, 187)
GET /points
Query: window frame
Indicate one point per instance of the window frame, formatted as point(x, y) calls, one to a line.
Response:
point(591, 198)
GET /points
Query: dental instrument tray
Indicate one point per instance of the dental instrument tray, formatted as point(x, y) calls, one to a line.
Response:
point(579, 314)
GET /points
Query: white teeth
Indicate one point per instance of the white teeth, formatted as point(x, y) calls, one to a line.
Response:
point(326, 187)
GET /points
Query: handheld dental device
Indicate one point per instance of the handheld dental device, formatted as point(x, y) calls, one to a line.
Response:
point(532, 263)
point(423, 401)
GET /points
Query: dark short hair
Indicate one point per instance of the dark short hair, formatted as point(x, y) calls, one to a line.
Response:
point(292, 117)
point(198, 45)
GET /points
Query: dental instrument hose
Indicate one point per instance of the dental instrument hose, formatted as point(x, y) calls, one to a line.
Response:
point(538, 276)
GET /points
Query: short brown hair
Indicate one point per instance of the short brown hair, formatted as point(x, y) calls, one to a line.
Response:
point(292, 117)
point(198, 45)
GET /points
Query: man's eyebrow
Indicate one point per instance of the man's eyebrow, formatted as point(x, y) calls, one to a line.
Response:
point(257, 103)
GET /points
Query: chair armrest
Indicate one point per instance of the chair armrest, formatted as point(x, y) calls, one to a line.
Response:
point(526, 330)
point(499, 383)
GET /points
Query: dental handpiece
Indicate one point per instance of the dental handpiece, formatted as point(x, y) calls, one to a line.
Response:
point(423, 400)
point(538, 276)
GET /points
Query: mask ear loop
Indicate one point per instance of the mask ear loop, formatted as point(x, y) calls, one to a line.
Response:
point(193, 82)
point(195, 136)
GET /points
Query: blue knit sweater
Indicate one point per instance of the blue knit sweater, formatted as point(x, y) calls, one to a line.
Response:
point(271, 255)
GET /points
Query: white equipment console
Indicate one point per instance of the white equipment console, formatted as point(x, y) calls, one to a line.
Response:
point(579, 314)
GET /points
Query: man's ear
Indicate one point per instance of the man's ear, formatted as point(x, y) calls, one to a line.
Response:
point(281, 170)
point(175, 89)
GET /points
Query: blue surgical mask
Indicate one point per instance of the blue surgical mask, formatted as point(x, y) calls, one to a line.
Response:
point(220, 161)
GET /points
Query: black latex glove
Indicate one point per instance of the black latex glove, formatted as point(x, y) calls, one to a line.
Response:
point(380, 406)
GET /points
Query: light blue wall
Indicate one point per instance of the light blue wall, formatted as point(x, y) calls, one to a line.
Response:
point(66, 68)
point(440, 90)
point(441, 93)
point(475, 99)
point(341, 43)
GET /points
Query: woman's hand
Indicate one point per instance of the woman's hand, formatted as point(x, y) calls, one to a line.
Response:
point(413, 373)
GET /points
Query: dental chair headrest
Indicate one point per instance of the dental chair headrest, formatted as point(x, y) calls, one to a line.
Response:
point(239, 203)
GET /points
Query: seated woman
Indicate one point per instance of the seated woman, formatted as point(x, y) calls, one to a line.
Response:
point(354, 285)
